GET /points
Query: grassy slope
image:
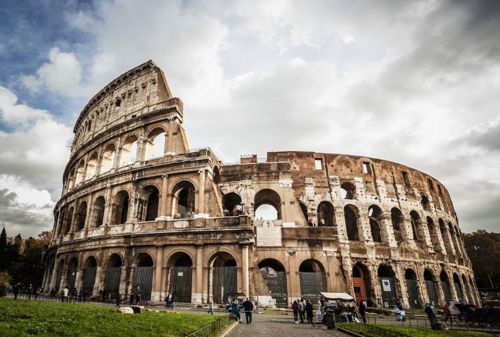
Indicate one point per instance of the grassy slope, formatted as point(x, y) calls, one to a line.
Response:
point(28, 318)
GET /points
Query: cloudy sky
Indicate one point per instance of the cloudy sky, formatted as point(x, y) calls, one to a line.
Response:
point(416, 82)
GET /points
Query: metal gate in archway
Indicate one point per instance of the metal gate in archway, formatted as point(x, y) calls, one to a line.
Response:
point(388, 289)
point(89, 280)
point(431, 291)
point(224, 283)
point(411, 287)
point(311, 284)
point(180, 283)
point(276, 282)
point(112, 282)
point(143, 282)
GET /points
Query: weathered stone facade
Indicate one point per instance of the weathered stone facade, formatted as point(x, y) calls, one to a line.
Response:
point(141, 211)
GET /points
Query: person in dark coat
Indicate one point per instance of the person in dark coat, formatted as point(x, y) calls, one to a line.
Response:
point(362, 311)
point(248, 307)
point(295, 308)
point(309, 312)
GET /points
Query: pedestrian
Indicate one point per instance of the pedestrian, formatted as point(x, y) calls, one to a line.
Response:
point(16, 290)
point(248, 307)
point(362, 311)
point(309, 312)
point(295, 308)
point(302, 307)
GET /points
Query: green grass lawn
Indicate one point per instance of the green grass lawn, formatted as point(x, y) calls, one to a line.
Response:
point(40, 318)
point(378, 331)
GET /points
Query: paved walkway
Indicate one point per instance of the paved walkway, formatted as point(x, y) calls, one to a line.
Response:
point(280, 325)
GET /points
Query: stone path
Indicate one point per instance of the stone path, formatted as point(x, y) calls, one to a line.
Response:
point(280, 325)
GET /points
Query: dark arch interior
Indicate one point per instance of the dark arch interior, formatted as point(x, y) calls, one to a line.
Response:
point(310, 266)
point(144, 260)
point(385, 271)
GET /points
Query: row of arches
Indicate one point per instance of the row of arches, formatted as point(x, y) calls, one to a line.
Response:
point(390, 290)
point(112, 155)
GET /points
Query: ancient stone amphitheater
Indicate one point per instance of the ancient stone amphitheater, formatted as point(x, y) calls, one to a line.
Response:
point(141, 212)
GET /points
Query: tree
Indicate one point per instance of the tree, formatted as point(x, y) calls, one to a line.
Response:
point(483, 249)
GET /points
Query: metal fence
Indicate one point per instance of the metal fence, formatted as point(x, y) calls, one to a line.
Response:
point(208, 330)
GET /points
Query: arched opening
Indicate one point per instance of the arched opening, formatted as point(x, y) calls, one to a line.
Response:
point(120, 208)
point(152, 202)
point(303, 209)
point(59, 274)
point(108, 158)
point(184, 200)
point(232, 204)
point(67, 220)
point(89, 272)
point(128, 153)
point(433, 234)
point(274, 276)
point(351, 222)
point(143, 277)
point(326, 214)
point(426, 205)
point(155, 145)
point(431, 287)
point(98, 212)
point(412, 288)
point(446, 237)
point(91, 166)
point(80, 173)
point(445, 284)
point(180, 269)
point(312, 280)
point(81, 216)
point(267, 204)
point(361, 284)
point(415, 225)
point(224, 278)
point(387, 285)
point(375, 217)
point(71, 275)
point(458, 287)
point(347, 191)
point(112, 279)
point(398, 220)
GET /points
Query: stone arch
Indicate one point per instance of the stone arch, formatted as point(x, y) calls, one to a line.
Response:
point(89, 274)
point(387, 281)
point(120, 208)
point(112, 277)
point(92, 163)
point(361, 284)
point(312, 279)
point(108, 158)
point(274, 275)
point(326, 214)
point(375, 218)
point(143, 276)
point(267, 204)
point(348, 190)
point(184, 201)
point(71, 273)
point(445, 284)
point(412, 288)
point(223, 282)
point(180, 279)
point(128, 154)
point(98, 211)
point(232, 204)
point(431, 286)
point(155, 143)
point(351, 215)
point(81, 216)
point(397, 220)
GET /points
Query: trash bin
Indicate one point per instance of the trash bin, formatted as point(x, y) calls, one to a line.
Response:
point(330, 320)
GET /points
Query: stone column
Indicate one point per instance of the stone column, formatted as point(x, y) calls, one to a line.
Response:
point(245, 274)
point(198, 292)
point(156, 294)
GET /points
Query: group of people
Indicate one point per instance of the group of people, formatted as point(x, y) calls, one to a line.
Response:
point(302, 308)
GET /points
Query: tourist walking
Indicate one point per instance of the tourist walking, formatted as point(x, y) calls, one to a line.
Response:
point(295, 308)
point(248, 307)
point(362, 311)
point(309, 312)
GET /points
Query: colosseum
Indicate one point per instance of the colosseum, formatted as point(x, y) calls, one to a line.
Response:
point(142, 212)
